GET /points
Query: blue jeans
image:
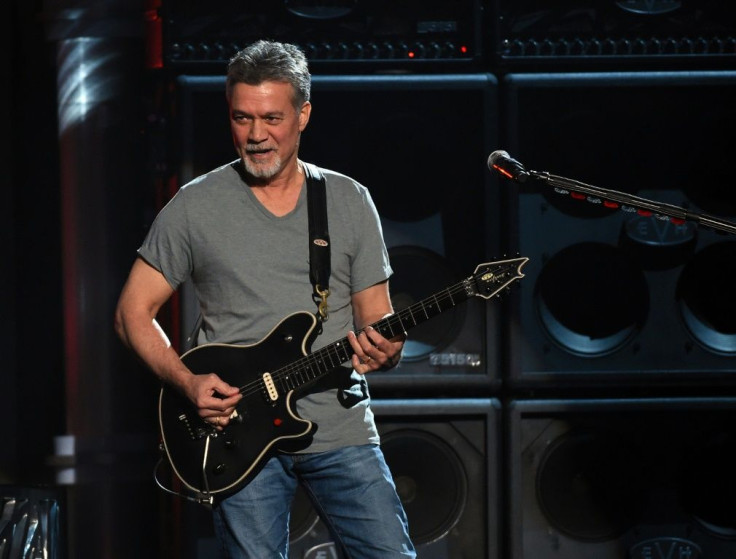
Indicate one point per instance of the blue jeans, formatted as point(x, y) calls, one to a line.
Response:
point(351, 489)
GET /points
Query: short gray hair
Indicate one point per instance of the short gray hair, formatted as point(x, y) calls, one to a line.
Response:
point(271, 61)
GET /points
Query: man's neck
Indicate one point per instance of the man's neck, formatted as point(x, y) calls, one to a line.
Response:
point(279, 194)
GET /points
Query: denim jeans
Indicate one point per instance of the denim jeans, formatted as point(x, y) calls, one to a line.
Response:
point(352, 490)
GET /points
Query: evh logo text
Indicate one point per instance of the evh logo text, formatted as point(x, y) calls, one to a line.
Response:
point(666, 548)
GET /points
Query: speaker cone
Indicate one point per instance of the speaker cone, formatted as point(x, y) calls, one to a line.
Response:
point(430, 480)
point(591, 298)
point(706, 300)
point(589, 485)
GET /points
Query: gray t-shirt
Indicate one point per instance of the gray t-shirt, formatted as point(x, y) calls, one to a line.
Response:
point(250, 270)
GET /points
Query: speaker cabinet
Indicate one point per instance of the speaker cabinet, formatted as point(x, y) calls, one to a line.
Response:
point(443, 455)
point(614, 479)
point(614, 295)
point(419, 144)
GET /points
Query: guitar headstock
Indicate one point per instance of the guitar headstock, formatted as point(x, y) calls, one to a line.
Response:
point(491, 277)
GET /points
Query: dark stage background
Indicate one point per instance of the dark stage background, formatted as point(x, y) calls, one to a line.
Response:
point(590, 411)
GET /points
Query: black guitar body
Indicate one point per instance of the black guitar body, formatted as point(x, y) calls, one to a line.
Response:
point(211, 461)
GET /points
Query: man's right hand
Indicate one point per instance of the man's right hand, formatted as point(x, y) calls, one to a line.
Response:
point(214, 399)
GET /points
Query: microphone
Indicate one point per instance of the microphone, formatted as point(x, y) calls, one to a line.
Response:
point(509, 167)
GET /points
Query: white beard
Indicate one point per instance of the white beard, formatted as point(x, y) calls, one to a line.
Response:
point(263, 171)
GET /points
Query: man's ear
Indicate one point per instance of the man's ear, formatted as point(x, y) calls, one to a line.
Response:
point(304, 113)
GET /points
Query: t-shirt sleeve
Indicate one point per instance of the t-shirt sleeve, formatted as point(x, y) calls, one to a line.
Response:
point(166, 246)
point(371, 262)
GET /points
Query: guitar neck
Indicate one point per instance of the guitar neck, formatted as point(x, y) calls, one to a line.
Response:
point(486, 282)
point(317, 364)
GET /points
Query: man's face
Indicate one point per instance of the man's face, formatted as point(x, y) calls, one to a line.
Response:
point(266, 127)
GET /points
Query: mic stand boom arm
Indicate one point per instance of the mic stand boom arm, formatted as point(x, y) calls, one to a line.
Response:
point(603, 195)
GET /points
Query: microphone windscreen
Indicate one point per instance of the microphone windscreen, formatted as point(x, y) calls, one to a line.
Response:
point(495, 156)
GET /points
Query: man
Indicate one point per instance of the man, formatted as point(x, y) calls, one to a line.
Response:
point(240, 233)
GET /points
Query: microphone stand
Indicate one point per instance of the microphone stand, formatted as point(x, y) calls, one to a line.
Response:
point(629, 202)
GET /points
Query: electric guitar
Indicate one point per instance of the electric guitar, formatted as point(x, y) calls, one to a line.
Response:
point(272, 374)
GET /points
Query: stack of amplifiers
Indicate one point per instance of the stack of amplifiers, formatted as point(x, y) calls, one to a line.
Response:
point(200, 36)
point(638, 32)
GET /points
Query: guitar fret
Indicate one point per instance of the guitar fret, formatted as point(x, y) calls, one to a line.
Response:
point(431, 307)
point(322, 364)
point(426, 314)
point(299, 374)
point(448, 297)
point(317, 364)
point(384, 328)
point(411, 315)
point(332, 362)
point(340, 347)
point(287, 382)
point(392, 322)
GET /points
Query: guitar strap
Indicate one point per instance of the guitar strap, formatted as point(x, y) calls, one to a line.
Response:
point(319, 238)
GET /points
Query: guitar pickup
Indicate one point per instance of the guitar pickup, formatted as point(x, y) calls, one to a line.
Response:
point(270, 387)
